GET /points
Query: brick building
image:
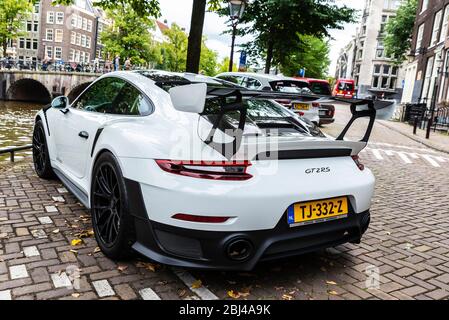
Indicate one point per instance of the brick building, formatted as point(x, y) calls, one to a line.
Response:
point(427, 71)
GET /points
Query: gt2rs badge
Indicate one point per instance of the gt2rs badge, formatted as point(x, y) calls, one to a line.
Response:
point(318, 170)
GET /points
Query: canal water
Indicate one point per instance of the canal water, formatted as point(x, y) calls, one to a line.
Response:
point(16, 126)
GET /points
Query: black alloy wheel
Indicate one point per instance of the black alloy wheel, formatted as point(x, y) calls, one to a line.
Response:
point(41, 158)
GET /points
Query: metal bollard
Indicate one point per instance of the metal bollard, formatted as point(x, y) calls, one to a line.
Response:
point(415, 126)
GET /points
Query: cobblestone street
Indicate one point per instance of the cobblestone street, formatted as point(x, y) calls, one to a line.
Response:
point(407, 241)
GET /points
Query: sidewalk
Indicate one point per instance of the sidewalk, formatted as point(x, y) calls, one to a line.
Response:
point(438, 141)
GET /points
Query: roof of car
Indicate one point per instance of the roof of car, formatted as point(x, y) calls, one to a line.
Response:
point(270, 77)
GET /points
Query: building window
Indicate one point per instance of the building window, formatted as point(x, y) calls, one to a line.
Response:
point(79, 22)
point(50, 17)
point(428, 77)
point(72, 55)
point(36, 8)
point(29, 26)
point(444, 30)
point(78, 39)
point(425, 3)
point(59, 17)
point(73, 37)
point(83, 40)
point(73, 21)
point(58, 53)
point(384, 77)
point(49, 34)
point(89, 25)
point(88, 41)
point(419, 37)
point(87, 57)
point(49, 52)
point(35, 44)
point(392, 4)
point(436, 28)
point(35, 26)
point(21, 43)
point(84, 24)
point(28, 44)
point(59, 35)
point(77, 56)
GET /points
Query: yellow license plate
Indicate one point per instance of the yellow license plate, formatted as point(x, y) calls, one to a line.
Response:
point(301, 106)
point(317, 211)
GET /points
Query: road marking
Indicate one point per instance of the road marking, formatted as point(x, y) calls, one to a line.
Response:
point(401, 147)
point(188, 279)
point(407, 157)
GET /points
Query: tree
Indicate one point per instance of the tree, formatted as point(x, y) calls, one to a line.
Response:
point(312, 54)
point(174, 50)
point(399, 31)
point(12, 15)
point(276, 24)
point(143, 8)
point(208, 60)
point(129, 36)
point(196, 32)
point(224, 66)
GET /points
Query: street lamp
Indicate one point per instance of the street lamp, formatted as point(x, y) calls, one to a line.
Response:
point(236, 10)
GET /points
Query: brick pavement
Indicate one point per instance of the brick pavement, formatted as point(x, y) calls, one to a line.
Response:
point(407, 241)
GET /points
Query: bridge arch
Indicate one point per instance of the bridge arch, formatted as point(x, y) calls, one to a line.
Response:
point(28, 90)
point(77, 90)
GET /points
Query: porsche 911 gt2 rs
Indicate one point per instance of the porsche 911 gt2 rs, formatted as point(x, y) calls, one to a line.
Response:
point(192, 171)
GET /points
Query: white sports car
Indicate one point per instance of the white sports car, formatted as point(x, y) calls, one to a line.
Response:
point(192, 171)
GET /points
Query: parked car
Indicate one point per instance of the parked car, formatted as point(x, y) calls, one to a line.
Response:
point(305, 107)
point(191, 172)
point(344, 88)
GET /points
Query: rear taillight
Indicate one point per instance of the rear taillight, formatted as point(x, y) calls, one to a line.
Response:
point(359, 164)
point(212, 170)
point(285, 103)
point(200, 219)
point(315, 104)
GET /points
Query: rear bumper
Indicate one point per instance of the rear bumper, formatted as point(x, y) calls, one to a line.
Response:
point(326, 120)
point(191, 248)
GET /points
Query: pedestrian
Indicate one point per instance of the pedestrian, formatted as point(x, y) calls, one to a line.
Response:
point(128, 64)
point(117, 63)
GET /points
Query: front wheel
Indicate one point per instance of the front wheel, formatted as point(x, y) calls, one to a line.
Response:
point(41, 157)
point(113, 224)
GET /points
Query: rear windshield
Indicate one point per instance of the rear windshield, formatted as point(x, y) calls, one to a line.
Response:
point(320, 88)
point(345, 86)
point(264, 117)
point(290, 86)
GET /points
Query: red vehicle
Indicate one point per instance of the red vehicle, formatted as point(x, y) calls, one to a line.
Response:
point(318, 86)
point(344, 88)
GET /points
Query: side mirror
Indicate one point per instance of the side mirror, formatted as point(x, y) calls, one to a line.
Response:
point(61, 102)
point(189, 98)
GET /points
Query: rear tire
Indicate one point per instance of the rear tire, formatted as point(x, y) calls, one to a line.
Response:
point(41, 156)
point(112, 222)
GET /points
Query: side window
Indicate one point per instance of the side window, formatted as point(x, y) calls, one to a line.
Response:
point(114, 96)
point(131, 102)
point(252, 84)
point(100, 96)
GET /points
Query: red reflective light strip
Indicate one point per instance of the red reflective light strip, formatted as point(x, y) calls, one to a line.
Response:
point(200, 219)
point(357, 161)
point(315, 104)
point(178, 167)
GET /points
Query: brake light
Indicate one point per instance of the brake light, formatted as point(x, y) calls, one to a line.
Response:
point(359, 164)
point(212, 170)
point(200, 219)
point(315, 104)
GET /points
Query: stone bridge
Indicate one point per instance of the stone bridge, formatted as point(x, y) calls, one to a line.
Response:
point(42, 86)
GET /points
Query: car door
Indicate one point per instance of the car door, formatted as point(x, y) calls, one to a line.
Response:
point(79, 124)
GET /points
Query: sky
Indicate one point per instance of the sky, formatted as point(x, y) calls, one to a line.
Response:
point(179, 12)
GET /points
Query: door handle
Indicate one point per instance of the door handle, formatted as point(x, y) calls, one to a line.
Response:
point(84, 135)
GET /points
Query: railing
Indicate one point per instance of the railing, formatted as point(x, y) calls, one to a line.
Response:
point(14, 150)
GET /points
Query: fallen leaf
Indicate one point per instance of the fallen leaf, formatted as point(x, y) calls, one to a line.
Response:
point(97, 249)
point(233, 294)
point(287, 297)
point(147, 265)
point(197, 284)
point(76, 242)
point(331, 283)
point(181, 293)
point(75, 295)
point(332, 292)
point(73, 251)
point(323, 269)
point(122, 268)
point(55, 231)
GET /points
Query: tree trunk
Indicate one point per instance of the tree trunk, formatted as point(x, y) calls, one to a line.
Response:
point(270, 49)
point(195, 36)
point(5, 47)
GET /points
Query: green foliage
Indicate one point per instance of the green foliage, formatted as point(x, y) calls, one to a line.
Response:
point(143, 8)
point(312, 54)
point(173, 53)
point(12, 15)
point(224, 66)
point(276, 24)
point(129, 36)
point(399, 31)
